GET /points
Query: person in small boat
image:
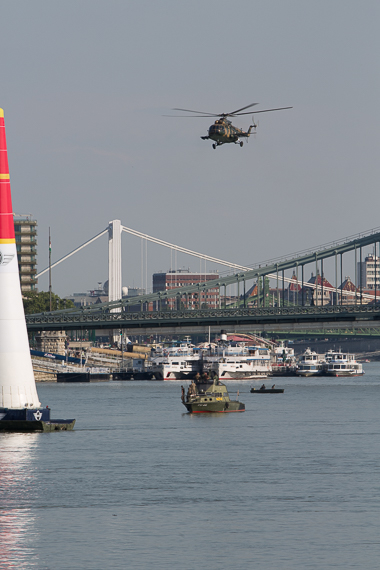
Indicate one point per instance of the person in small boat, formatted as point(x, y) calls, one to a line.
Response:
point(182, 393)
point(262, 387)
point(197, 377)
point(273, 386)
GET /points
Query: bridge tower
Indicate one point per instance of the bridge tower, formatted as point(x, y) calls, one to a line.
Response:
point(114, 260)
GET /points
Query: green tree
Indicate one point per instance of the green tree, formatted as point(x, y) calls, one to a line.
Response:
point(39, 302)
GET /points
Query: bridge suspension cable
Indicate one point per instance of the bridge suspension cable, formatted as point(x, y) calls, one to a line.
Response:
point(72, 252)
point(185, 250)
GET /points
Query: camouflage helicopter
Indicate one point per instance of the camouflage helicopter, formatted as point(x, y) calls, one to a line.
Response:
point(223, 131)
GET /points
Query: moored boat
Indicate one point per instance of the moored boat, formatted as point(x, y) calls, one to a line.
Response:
point(342, 364)
point(205, 396)
point(310, 364)
point(237, 361)
point(178, 362)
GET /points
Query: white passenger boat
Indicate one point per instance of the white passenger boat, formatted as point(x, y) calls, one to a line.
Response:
point(341, 364)
point(237, 361)
point(310, 364)
point(178, 362)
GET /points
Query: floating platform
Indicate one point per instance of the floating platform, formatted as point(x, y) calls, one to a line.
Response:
point(30, 420)
point(82, 377)
point(132, 376)
point(122, 375)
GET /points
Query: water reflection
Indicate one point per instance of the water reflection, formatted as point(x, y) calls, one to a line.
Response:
point(17, 500)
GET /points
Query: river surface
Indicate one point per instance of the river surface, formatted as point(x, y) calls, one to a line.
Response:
point(292, 483)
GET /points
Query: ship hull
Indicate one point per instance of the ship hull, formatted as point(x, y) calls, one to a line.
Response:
point(242, 375)
point(175, 375)
point(283, 371)
point(344, 373)
point(214, 407)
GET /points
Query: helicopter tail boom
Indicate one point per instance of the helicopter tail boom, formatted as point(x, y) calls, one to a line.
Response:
point(248, 133)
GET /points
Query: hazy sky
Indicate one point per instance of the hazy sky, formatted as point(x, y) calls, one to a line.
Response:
point(84, 85)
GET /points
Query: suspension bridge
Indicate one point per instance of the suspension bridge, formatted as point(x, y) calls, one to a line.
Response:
point(347, 310)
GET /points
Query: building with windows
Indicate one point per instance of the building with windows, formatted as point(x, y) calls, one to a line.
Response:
point(182, 278)
point(368, 272)
point(26, 245)
point(320, 294)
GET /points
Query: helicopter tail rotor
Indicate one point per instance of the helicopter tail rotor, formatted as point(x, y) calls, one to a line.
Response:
point(253, 126)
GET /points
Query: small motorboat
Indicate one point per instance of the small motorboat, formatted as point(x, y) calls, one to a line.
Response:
point(263, 390)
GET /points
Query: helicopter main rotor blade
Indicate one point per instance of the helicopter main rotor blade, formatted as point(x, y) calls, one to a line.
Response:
point(233, 114)
point(200, 112)
point(192, 116)
point(263, 111)
point(267, 110)
point(242, 109)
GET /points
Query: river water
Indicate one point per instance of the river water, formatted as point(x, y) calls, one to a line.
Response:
point(292, 483)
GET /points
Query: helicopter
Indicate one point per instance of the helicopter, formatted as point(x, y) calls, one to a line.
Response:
point(223, 131)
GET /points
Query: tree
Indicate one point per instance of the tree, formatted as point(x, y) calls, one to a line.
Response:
point(39, 302)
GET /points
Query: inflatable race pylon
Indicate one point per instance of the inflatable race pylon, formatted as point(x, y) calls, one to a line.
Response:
point(18, 394)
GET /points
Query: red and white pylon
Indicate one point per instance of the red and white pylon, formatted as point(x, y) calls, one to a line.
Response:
point(17, 383)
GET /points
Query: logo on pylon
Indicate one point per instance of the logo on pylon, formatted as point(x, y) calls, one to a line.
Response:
point(5, 259)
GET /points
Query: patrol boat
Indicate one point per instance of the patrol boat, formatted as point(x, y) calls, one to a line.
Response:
point(207, 395)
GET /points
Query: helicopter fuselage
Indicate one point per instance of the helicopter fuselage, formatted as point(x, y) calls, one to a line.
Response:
point(222, 132)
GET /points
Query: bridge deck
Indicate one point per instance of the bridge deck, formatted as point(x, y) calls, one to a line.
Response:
point(270, 318)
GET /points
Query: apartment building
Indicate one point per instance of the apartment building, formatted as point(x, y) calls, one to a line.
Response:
point(368, 272)
point(26, 245)
point(181, 278)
